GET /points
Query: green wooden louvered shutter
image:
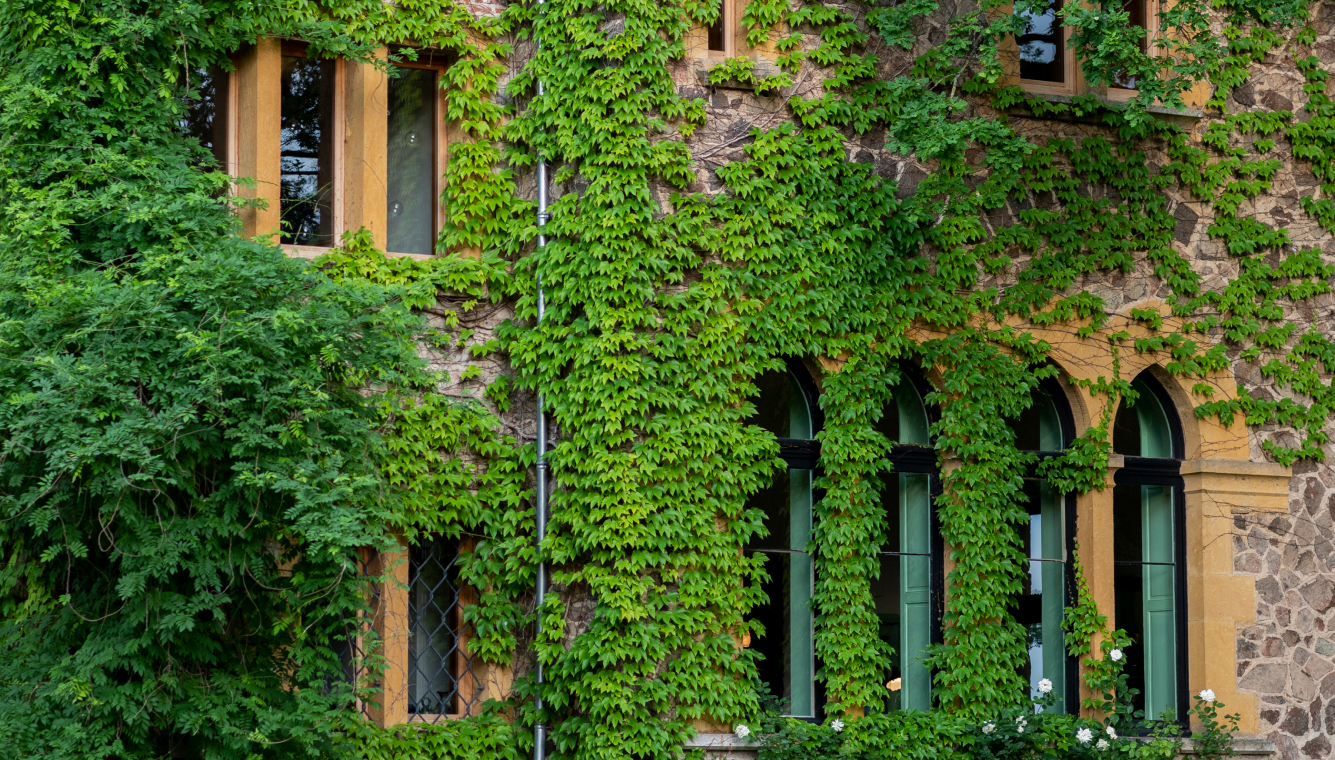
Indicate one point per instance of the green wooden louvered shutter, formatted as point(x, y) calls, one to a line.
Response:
point(915, 590)
point(1160, 600)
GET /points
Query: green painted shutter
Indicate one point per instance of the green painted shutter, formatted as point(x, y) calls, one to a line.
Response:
point(1160, 587)
point(1054, 584)
point(915, 590)
point(801, 634)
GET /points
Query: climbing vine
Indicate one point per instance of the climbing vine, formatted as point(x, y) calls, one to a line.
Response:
point(670, 285)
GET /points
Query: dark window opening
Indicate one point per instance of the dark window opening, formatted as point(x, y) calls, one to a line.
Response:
point(716, 39)
point(787, 663)
point(436, 655)
point(1149, 582)
point(908, 591)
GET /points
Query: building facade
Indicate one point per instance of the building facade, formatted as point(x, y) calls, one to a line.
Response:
point(1209, 546)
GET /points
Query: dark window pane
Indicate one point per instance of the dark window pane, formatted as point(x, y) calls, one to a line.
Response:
point(434, 621)
point(206, 116)
point(1128, 582)
point(412, 162)
point(1042, 49)
point(306, 191)
point(902, 593)
point(1039, 608)
point(716, 29)
point(781, 407)
point(904, 420)
point(885, 589)
point(1142, 430)
point(787, 644)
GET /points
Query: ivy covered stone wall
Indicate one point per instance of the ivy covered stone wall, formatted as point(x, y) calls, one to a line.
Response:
point(871, 195)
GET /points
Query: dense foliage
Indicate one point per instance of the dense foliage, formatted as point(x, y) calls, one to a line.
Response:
point(187, 455)
point(200, 434)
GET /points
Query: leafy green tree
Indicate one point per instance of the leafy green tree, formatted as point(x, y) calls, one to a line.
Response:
point(186, 466)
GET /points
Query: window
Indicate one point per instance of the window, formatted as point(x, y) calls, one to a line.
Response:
point(308, 149)
point(1148, 549)
point(415, 153)
point(1046, 428)
point(418, 615)
point(1044, 63)
point(336, 146)
point(1141, 14)
point(720, 38)
point(786, 407)
point(908, 591)
point(1047, 65)
point(441, 682)
point(1043, 45)
point(207, 117)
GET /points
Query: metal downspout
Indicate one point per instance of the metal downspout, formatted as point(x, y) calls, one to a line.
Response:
point(540, 730)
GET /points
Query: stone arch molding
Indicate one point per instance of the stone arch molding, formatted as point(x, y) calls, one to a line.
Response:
point(1222, 485)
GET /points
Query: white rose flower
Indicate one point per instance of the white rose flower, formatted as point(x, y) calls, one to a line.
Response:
point(1116, 655)
point(1111, 733)
point(1045, 686)
point(742, 731)
point(1020, 725)
point(1103, 744)
point(1084, 736)
point(989, 727)
point(1207, 695)
point(837, 725)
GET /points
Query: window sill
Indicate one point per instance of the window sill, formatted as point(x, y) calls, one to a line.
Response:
point(720, 743)
point(1243, 746)
point(1184, 117)
point(760, 69)
point(315, 252)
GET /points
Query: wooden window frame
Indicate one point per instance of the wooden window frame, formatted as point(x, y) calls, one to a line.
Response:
point(391, 620)
point(359, 193)
point(731, 19)
point(1073, 83)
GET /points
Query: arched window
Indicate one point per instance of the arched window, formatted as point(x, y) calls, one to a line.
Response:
point(908, 592)
point(1046, 428)
point(1149, 548)
point(786, 406)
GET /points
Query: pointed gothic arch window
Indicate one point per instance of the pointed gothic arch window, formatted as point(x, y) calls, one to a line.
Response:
point(1149, 539)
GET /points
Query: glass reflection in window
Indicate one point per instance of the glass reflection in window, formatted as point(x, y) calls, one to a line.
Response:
point(1042, 45)
point(307, 151)
point(206, 117)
